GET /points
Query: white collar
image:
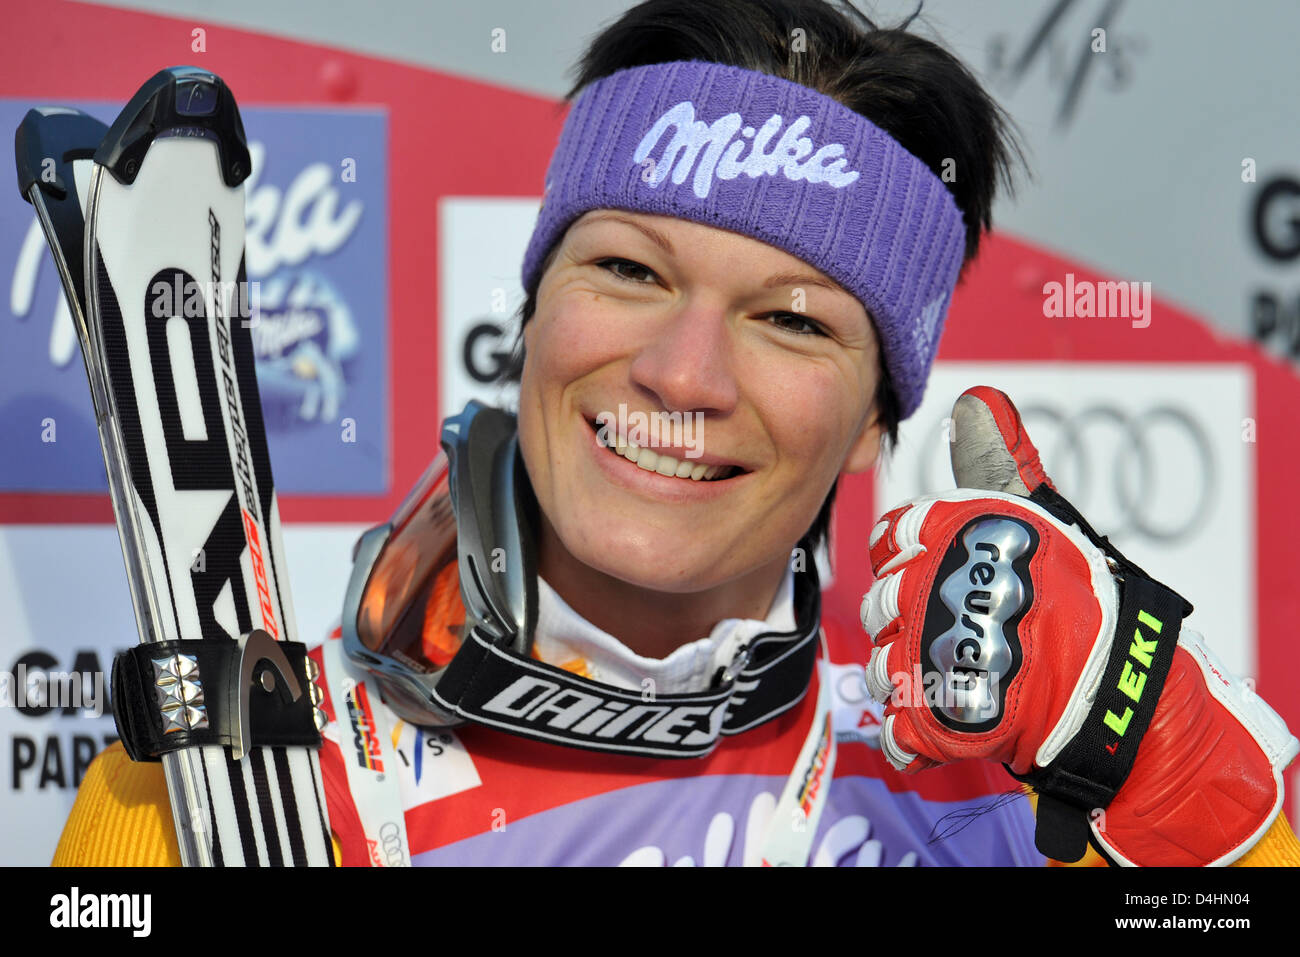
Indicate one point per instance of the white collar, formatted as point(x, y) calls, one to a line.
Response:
point(566, 639)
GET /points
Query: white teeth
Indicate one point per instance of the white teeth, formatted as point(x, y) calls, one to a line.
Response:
point(653, 461)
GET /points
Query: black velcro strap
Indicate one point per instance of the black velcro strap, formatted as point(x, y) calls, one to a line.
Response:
point(1094, 765)
point(179, 694)
point(1092, 768)
point(1061, 832)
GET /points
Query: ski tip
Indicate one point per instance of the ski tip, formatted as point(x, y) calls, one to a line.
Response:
point(47, 139)
point(179, 99)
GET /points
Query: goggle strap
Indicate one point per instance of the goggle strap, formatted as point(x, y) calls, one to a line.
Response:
point(491, 685)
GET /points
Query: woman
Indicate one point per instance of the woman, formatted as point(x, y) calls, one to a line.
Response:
point(750, 234)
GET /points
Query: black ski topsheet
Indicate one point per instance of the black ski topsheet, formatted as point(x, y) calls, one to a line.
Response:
point(54, 155)
point(47, 147)
point(169, 352)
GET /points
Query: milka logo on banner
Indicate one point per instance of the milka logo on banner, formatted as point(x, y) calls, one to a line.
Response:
point(722, 151)
point(314, 293)
point(284, 228)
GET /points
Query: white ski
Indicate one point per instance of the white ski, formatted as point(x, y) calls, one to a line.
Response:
point(162, 322)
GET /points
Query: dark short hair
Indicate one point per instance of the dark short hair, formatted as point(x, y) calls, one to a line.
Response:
point(911, 87)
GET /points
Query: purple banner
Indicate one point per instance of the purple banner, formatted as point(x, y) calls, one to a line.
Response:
point(316, 205)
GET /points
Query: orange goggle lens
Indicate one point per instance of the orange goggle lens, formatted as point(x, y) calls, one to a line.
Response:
point(411, 608)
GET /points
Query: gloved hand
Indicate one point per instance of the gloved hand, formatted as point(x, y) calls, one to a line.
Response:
point(1006, 628)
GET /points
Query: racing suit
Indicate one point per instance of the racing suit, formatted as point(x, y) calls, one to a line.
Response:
point(476, 795)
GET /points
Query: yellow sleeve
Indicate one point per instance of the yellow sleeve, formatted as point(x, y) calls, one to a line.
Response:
point(121, 817)
point(1277, 848)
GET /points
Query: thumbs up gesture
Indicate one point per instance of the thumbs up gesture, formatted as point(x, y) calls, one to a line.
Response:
point(1006, 628)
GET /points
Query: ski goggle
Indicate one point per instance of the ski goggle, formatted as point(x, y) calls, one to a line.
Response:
point(405, 614)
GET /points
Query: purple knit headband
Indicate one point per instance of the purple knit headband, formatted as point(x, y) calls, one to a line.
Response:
point(782, 163)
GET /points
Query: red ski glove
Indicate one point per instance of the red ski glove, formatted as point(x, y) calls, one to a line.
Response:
point(1006, 628)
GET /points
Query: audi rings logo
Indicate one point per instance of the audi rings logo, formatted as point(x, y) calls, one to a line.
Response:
point(391, 836)
point(1149, 472)
point(855, 715)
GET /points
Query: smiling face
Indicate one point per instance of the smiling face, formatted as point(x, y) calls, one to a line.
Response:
point(768, 367)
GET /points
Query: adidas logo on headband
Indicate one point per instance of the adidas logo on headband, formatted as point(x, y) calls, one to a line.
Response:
point(721, 151)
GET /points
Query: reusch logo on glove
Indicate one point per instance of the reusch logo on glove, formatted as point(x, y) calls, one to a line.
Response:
point(971, 645)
